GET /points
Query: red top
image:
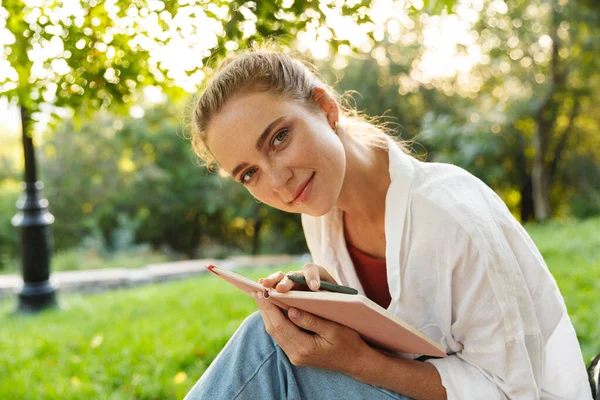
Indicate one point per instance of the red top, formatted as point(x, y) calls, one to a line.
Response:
point(372, 275)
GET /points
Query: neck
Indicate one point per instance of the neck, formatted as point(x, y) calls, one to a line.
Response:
point(366, 182)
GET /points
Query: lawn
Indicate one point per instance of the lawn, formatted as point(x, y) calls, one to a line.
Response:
point(572, 253)
point(154, 342)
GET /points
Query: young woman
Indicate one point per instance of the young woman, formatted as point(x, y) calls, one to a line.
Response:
point(428, 241)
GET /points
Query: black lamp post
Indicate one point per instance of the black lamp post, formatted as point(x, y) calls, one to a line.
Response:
point(34, 220)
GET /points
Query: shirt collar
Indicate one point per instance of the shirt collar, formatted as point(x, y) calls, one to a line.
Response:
point(336, 256)
point(396, 210)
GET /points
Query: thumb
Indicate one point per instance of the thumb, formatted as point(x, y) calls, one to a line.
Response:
point(309, 321)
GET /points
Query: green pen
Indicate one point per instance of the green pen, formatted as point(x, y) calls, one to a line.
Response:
point(330, 287)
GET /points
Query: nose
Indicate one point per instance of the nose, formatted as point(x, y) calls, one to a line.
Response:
point(279, 177)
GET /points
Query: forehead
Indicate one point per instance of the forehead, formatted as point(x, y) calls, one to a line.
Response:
point(232, 133)
point(249, 109)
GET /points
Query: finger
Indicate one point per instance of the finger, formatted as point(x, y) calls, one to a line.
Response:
point(311, 274)
point(272, 279)
point(285, 285)
point(325, 276)
point(311, 322)
point(284, 332)
point(266, 319)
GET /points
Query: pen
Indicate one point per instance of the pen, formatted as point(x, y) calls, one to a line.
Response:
point(330, 287)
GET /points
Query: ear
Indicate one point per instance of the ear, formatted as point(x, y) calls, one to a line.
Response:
point(327, 104)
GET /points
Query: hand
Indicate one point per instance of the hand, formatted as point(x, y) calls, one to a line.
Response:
point(312, 272)
point(333, 346)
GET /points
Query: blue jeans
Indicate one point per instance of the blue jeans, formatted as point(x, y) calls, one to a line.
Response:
point(252, 366)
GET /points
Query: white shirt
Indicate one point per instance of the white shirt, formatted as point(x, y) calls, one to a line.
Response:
point(465, 273)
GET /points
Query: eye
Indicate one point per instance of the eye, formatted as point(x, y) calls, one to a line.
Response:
point(279, 136)
point(277, 140)
point(243, 180)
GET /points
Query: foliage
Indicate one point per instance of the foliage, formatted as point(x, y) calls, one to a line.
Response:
point(553, 70)
point(156, 341)
point(489, 119)
point(94, 67)
point(114, 182)
point(120, 182)
point(124, 181)
point(97, 68)
point(58, 56)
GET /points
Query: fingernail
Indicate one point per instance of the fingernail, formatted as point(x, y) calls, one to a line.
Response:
point(294, 313)
point(314, 284)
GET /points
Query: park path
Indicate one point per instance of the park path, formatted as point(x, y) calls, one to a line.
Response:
point(106, 279)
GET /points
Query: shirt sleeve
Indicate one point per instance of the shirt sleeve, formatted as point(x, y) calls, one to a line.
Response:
point(494, 324)
point(463, 380)
point(496, 301)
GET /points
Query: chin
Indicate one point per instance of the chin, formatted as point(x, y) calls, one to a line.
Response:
point(324, 204)
point(319, 208)
point(317, 214)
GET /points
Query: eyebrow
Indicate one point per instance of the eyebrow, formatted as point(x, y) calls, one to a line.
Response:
point(260, 142)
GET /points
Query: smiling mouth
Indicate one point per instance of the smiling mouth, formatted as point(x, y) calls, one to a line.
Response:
point(302, 195)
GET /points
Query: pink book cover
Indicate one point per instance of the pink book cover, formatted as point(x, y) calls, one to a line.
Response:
point(376, 325)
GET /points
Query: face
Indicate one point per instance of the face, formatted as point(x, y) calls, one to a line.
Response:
point(295, 146)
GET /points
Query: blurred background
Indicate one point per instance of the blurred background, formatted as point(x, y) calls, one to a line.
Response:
point(510, 94)
point(507, 90)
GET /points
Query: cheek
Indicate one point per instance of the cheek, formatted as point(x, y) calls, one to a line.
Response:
point(332, 157)
point(257, 193)
point(264, 194)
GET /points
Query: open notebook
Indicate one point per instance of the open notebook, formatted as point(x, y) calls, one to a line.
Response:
point(376, 325)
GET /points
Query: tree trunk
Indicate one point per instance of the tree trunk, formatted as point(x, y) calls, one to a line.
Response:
point(256, 238)
point(526, 200)
point(544, 118)
point(562, 143)
point(525, 178)
point(540, 178)
point(193, 241)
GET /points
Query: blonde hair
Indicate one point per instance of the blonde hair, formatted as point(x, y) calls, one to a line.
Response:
point(259, 68)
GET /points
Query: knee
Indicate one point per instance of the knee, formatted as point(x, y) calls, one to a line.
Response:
point(252, 330)
point(253, 325)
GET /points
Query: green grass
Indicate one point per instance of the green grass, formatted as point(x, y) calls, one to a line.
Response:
point(154, 342)
point(572, 253)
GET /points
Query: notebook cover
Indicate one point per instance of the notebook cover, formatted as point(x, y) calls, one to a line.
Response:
point(377, 326)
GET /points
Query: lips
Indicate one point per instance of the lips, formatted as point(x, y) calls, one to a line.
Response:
point(301, 188)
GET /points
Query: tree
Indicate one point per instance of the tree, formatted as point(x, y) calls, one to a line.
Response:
point(97, 55)
point(66, 61)
point(530, 104)
point(548, 51)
